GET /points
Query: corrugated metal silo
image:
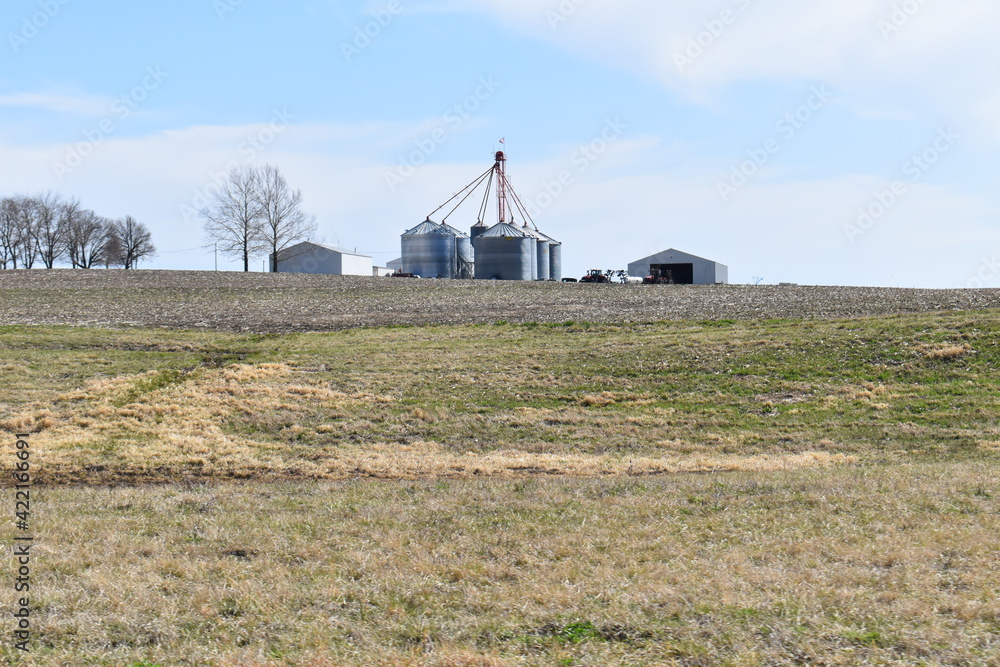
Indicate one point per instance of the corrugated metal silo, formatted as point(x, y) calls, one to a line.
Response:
point(555, 260)
point(466, 267)
point(534, 258)
point(504, 252)
point(477, 230)
point(544, 256)
point(429, 251)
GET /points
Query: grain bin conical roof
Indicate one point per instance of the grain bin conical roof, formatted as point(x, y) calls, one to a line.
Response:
point(546, 237)
point(457, 232)
point(428, 228)
point(505, 230)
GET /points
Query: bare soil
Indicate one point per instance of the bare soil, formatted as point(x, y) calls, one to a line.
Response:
point(275, 303)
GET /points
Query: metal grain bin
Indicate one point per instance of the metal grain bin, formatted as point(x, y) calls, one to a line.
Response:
point(534, 257)
point(466, 267)
point(477, 230)
point(555, 260)
point(429, 251)
point(504, 252)
point(544, 250)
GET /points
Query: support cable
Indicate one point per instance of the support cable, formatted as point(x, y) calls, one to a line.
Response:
point(521, 207)
point(486, 201)
point(472, 191)
point(476, 182)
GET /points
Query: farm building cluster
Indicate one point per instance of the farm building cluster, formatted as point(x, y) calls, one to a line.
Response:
point(506, 250)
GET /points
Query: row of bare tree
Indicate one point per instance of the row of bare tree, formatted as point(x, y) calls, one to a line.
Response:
point(256, 212)
point(45, 230)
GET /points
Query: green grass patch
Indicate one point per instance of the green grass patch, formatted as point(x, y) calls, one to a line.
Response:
point(914, 386)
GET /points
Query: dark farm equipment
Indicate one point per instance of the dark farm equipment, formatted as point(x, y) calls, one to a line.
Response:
point(659, 277)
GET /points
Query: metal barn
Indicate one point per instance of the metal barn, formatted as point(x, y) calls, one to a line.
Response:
point(680, 268)
point(309, 257)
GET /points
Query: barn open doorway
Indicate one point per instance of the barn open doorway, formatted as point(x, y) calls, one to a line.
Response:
point(678, 274)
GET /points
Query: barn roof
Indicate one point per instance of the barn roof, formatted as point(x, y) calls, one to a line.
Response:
point(672, 254)
point(305, 246)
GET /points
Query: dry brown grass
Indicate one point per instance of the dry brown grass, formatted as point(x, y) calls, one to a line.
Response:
point(891, 565)
point(945, 351)
point(179, 430)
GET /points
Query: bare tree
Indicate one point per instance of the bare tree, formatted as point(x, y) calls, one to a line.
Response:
point(48, 214)
point(47, 228)
point(129, 243)
point(284, 221)
point(26, 246)
point(234, 218)
point(113, 255)
point(71, 213)
point(18, 245)
point(10, 236)
point(87, 240)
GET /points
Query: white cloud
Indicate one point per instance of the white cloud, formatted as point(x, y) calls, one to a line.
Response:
point(84, 105)
point(893, 55)
point(987, 112)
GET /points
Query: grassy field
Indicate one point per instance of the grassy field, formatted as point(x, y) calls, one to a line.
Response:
point(516, 494)
point(407, 402)
point(836, 566)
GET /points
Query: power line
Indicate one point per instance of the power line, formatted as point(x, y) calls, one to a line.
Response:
point(171, 252)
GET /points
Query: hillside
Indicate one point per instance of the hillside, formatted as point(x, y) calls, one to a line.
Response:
point(592, 482)
point(503, 400)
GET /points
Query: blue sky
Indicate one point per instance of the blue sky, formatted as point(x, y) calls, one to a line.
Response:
point(818, 143)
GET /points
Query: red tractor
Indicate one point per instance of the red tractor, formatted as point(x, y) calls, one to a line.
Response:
point(595, 276)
